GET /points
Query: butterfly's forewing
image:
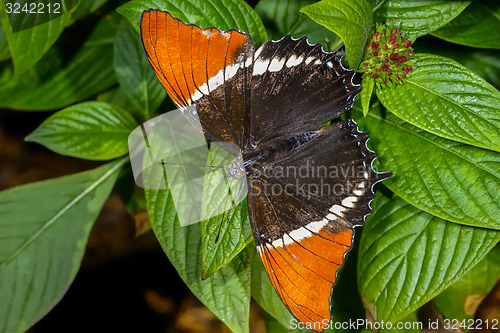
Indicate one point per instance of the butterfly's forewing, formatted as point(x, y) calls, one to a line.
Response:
point(206, 67)
point(297, 87)
point(303, 206)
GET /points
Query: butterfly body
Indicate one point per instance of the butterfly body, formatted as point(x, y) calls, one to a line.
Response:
point(308, 184)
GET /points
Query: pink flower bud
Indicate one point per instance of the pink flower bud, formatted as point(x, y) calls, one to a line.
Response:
point(394, 57)
point(375, 45)
point(395, 31)
point(403, 59)
point(392, 39)
point(375, 75)
point(385, 67)
point(408, 43)
point(375, 53)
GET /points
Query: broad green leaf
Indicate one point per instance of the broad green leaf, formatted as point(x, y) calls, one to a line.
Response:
point(28, 46)
point(263, 292)
point(284, 18)
point(222, 240)
point(84, 75)
point(222, 14)
point(447, 99)
point(4, 46)
point(454, 181)
point(419, 17)
point(89, 130)
point(368, 84)
point(227, 292)
point(44, 228)
point(460, 300)
point(134, 72)
point(485, 63)
point(350, 20)
point(408, 256)
point(476, 26)
point(223, 236)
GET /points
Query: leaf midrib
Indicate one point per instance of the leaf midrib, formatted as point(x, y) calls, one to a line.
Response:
point(62, 211)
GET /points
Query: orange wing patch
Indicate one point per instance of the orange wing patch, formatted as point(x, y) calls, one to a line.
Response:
point(190, 61)
point(303, 273)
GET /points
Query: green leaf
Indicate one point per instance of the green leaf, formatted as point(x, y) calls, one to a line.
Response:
point(408, 256)
point(284, 18)
point(28, 46)
point(460, 300)
point(419, 17)
point(368, 84)
point(227, 292)
point(453, 181)
point(222, 14)
point(222, 240)
point(90, 130)
point(4, 46)
point(53, 83)
point(485, 63)
point(263, 291)
point(476, 26)
point(447, 99)
point(134, 72)
point(350, 20)
point(44, 230)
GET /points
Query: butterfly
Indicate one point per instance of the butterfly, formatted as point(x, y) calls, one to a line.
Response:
point(276, 105)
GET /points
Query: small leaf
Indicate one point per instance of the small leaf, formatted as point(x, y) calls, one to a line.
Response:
point(476, 26)
point(454, 181)
point(408, 256)
point(447, 99)
point(44, 230)
point(227, 292)
point(460, 300)
point(351, 20)
point(87, 73)
point(418, 18)
point(222, 240)
point(368, 84)
point(284, 18)
point(28, 46)
point(134, 72)
point(222, 14)
point(90, 130)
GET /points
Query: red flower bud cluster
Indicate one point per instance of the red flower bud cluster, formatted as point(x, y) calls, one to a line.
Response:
point(387, 56)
